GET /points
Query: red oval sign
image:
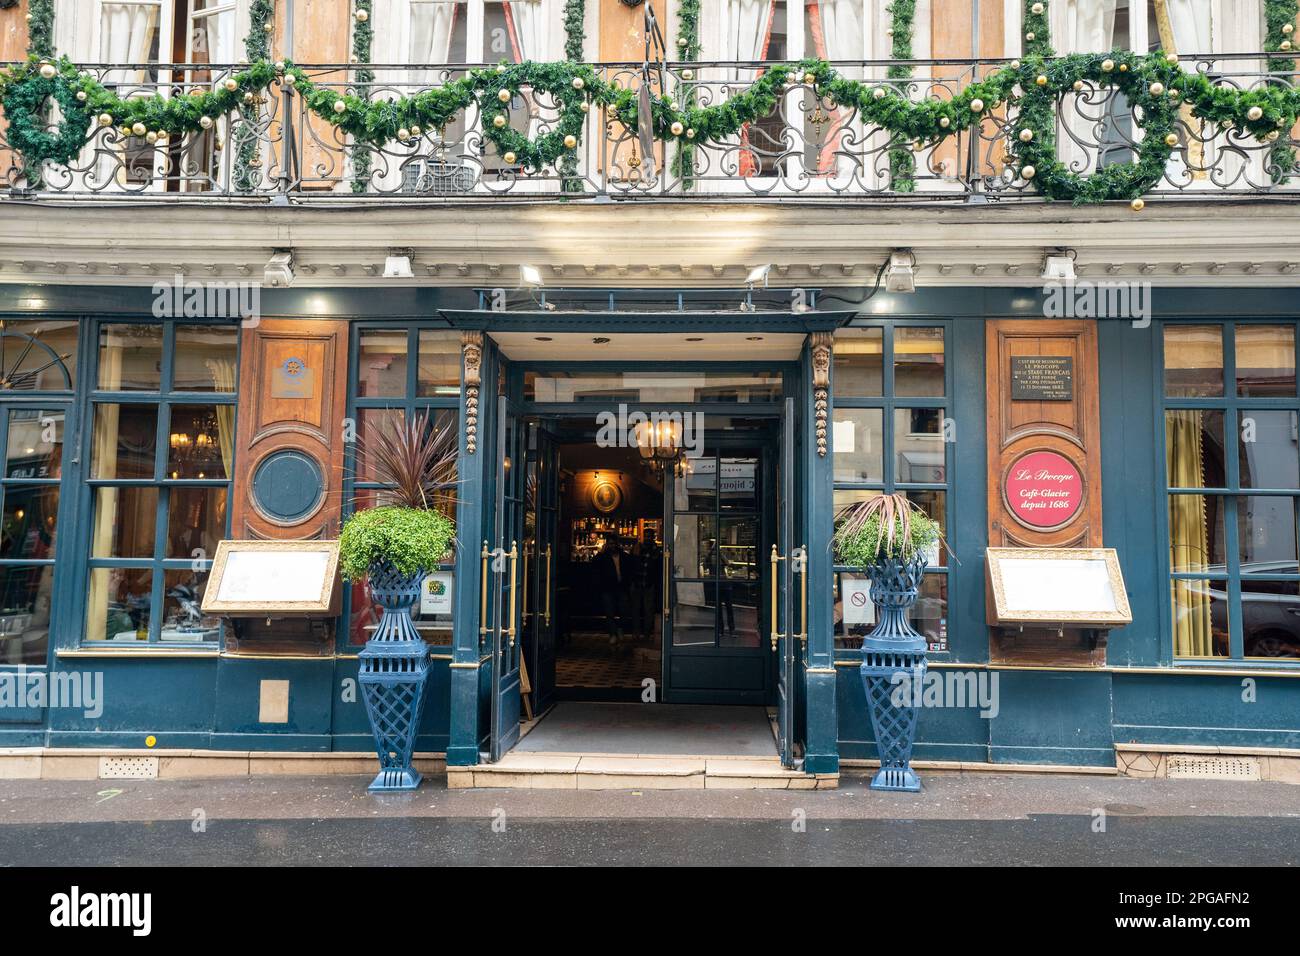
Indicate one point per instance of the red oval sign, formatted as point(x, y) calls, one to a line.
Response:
point(1044, 489)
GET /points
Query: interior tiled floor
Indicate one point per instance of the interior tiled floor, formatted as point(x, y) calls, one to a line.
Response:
point(578, 727)
point(588, 660)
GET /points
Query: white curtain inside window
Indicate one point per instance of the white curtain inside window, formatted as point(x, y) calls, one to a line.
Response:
point(748, 27)
point(835, 32)
point(127, 33)
point(214, 38)
point(432, 25)
point(528, 31)
point(1082, 26)
point(1191, 22)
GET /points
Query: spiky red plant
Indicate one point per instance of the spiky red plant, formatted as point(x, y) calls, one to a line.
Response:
point(414, 459)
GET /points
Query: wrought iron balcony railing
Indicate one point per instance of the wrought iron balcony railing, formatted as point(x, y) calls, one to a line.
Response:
point(274, 148)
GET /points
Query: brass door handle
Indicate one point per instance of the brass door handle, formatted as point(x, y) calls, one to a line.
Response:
point(548, 586)
point(668, 556)
point(483, 593)
point(775, 563)
point(803, 590)
point(523, 601)
point(514, 563)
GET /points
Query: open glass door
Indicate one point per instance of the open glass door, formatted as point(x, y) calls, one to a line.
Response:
point(501, 574)
point(542, 496)
point(786, 560)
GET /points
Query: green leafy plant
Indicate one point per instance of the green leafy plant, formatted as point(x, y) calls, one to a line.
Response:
point(409, 530)
point(887, 527)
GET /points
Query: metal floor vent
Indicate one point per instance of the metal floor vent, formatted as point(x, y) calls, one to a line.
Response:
point(1196, 767)
point(128, 768)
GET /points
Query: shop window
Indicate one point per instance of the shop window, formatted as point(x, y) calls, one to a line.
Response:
point(38, 369)
point(889, 434)
point(400, 372)
point(1232, 471)
point(161, 460)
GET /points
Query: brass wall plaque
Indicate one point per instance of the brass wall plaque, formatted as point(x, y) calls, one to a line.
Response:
point(1042, 378)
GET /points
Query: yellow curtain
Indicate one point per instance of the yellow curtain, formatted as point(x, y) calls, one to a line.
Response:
point(103, 457)
point(223, 379)
point(1189, 544)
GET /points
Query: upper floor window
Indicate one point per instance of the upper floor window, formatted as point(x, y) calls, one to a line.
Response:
point(37, 356)
point(891, 404)
point(1232, 470)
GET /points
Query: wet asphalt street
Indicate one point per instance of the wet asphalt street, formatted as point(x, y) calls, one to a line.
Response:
point(960, 819)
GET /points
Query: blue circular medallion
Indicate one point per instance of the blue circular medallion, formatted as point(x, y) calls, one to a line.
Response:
point(288, 486)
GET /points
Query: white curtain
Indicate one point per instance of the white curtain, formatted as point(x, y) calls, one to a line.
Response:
point(431, 28)
point(127, 32)
point(1191, 23)
point(746, 30)
point(528, 33)
point(1082, 26)
point(836, 33)
point(217, 33)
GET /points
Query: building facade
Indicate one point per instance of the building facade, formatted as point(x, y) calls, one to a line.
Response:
point(200, 331)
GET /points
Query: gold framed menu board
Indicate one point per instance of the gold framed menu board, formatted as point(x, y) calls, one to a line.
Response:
point(1075, 587)
point(273, 577)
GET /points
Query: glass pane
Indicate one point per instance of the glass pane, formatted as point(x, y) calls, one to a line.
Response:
point(1193, 361)
point(854, 614)
point(196, 521)
point(371, 421)
point(205, 358)
point(125, 519)
point(695, 546)
point(739, 549)
point(934, 504)
point(1200, 616)
point(1266, 360)
point(29, 523)
point(1196, 538)
point(843, 498)
point(918, 445)
point(859, 363)
point(739, 614)
point(182, 619)
point(124, 441)
point(201, 441)
point(25, 614)
point(1270, 618)
point(35, 445)
point(118, 608)
point(1268, 452)
point(1194, 448)
point(130, 358)
point(929, 614)
point(1266, 534)
point(653, 387)
point(918, 361)
point(439, 369)
point(857, 442)
point(695, 607)
point(38, 356)
point(696, 487)
point(381, 363)
point(738, 484)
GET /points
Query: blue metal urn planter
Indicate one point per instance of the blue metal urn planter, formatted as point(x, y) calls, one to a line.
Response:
point(894, 647)
point(394, 665)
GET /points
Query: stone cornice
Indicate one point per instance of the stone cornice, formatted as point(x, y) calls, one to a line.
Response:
point(650, 244)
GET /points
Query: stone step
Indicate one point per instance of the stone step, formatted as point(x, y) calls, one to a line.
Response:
point(571, 771)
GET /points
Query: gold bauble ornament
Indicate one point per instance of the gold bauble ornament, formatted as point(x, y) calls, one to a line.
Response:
point(1015, 64)
point(1288, 28)
point(151, 137)
point(1107, 65)
point(1272, 136)
point(677, 129)
point(584, 106)
point(1078, 85)
point(248, 97)
point(1037, 8)
point(138, 129)
point(105, 119)
point(681, 42)
point(688, 74)
point(809, 78)
point(268, 27)
point(1137, 205)
point(205, 122)
point(1171, 58)
point(231, 84)
point(690, 133)
point(1026, 135)
point(1123, 67)
point(1040, 80)
point(1029, 36)
point(976, 105)
point(279, 66)
point(1157, 89)
point(1254, 113)
point(577, 83)
point(1171, 139)
point(570, 141)
point(503, 96)
point(362, 16)
point(403, 133)
point(878, 93)
point(48, 71)
point(499, 121)
point(945, 122)
point(1174, 93)
point(1027, 172)
point(1284, 45)
point(340, 106)
point(509, 158)
point(290, 79)
point(415, 131)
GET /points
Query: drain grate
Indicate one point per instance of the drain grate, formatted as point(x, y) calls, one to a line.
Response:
point(128, 768)
point(1195, 767)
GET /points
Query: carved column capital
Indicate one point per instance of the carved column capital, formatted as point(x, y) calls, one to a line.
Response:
point(471, 347)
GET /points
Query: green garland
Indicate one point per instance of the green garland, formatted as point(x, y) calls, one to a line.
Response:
point(363, 35)
point(902, 161)
point(40, 27)
point(688, 51)
point(1153, 82)
point(257, 47)
point(575, 15)
point(1279, 29)
point(1038, 29)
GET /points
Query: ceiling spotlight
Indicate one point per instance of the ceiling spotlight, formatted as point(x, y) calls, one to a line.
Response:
point(398, 266)
point(530, 276)
point(900, 275)
point(758, 274)
point(278, 273)
point(1058, 266)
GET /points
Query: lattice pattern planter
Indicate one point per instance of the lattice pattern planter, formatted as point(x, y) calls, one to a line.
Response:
point(893, 647)
point(394, 666)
